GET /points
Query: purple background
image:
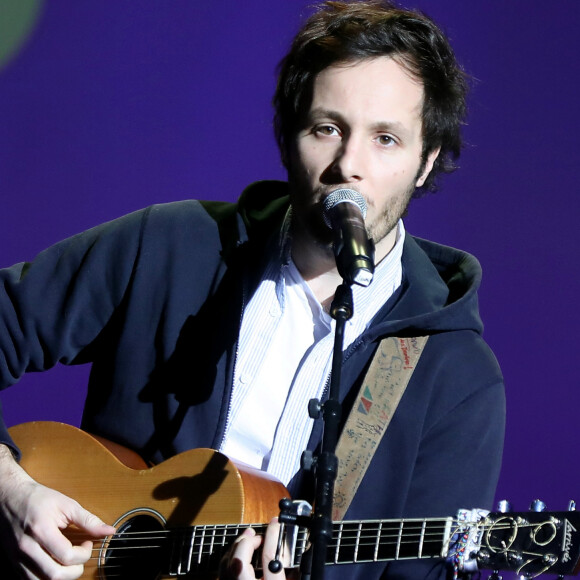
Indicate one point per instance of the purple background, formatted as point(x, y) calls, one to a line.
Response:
point(114, 105)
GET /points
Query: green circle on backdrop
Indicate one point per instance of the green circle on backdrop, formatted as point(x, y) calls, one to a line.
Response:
point(17, 20)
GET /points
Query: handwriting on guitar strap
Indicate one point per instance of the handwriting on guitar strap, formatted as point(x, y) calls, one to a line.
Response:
point(377, 401)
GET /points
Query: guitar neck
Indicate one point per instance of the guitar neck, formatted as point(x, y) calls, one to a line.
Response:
point(352, 542)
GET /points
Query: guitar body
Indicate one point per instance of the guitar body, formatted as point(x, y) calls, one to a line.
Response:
point(198, 487)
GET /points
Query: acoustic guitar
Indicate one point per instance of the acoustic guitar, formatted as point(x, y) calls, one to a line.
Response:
point(178, 518)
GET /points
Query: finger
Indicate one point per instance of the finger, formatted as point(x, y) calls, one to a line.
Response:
point(37, 563)
point(239, 565)
point(54, 544)
point(60, 547)
point(245, 546)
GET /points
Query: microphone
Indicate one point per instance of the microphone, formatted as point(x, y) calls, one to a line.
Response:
point(344, 211)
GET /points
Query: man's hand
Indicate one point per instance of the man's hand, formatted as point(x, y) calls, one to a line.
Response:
point(237, 565)
point(32, 518)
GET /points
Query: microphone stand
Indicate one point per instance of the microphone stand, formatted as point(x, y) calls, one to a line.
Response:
point(326, 464)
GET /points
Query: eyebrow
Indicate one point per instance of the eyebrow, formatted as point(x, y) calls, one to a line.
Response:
point(386, 126)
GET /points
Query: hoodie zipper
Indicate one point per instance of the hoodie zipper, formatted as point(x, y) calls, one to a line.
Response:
point(347, 354)
point(233, 374)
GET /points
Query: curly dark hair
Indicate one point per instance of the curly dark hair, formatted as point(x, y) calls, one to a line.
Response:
point(340, 32)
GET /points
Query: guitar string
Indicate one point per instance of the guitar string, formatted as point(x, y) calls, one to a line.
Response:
point(355, 530)
point(233, 531)
point(352, 536)
point(203, 563)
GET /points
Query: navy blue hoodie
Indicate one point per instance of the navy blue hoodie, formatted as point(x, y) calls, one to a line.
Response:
point(154, 300)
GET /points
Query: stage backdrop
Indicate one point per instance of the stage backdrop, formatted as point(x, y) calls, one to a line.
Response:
point(108, 106)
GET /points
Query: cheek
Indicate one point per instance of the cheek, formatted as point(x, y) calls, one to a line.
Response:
point(393, 179)
point(307, 161)
point(400, 175)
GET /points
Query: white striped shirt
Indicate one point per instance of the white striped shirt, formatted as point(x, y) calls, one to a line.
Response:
point(284, 360)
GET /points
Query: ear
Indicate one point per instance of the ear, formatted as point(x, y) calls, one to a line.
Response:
point(428, 166)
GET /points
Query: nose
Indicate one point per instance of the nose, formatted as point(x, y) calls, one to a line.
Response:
point(350, 160)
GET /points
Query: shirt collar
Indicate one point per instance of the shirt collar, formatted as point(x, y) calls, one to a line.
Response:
point(367, 300)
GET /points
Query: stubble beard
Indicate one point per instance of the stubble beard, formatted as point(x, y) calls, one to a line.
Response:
point(388, 219)
point(307, 220)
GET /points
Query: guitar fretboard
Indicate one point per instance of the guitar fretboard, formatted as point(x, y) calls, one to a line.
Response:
point(202, 547)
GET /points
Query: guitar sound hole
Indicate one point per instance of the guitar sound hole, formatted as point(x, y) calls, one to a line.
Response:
point(138, 551)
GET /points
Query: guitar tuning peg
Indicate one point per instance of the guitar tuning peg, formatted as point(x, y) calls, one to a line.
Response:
point(495, 576)
point(504, 506)
point(537, 506)
point(572, 506)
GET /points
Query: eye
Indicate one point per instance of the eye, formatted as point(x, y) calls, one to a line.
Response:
point(326, 131)
point(386, 140)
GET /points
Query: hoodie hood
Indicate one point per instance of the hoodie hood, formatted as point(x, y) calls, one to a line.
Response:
point(438, 293)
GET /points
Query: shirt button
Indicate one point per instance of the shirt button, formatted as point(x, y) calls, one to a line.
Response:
point(245, 378)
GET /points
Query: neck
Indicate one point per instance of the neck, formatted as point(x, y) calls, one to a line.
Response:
point(317, 264)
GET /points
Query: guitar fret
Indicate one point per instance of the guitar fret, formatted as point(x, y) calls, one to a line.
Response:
point(338, 544)
point(357, 542)
point(172, 559)
point(212, 540)
point(185, 556)
point(423, 526)
point(398, 551)
point(189, 557)
point(377, 542)
point(201, 544)
point(193, 552)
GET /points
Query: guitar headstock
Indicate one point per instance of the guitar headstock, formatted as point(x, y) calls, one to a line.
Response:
point(528, 543)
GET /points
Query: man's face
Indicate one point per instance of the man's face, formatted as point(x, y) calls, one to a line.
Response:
point(363, 131)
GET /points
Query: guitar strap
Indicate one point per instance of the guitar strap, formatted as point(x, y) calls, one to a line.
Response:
point(380, 393)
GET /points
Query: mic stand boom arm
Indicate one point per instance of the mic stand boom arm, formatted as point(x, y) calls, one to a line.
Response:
point(326, 464)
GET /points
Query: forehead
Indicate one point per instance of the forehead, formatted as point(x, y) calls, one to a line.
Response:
point(373, 90)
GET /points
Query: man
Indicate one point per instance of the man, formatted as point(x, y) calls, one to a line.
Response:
point(370, 98)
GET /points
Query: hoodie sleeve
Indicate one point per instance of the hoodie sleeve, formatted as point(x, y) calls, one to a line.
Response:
point(52, 308)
